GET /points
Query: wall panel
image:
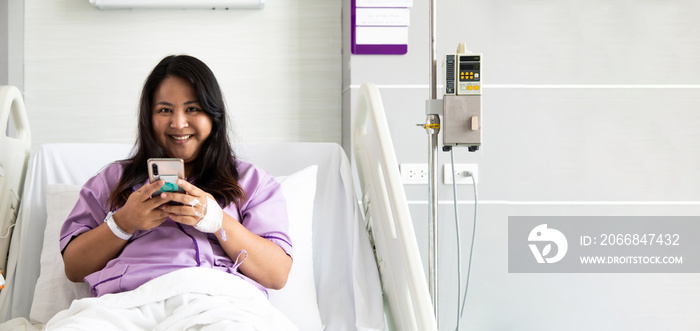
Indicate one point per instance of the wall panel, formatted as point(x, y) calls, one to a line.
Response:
point(279, 67)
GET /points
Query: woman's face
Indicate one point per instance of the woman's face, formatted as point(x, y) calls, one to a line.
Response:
point(179, 123)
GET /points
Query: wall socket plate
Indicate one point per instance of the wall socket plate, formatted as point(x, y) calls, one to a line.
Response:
point(414, 173)
point(460, 176)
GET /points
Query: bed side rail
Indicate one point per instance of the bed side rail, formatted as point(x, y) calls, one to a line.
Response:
point(15, 147)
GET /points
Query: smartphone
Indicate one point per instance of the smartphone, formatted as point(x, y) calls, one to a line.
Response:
point(169, 170)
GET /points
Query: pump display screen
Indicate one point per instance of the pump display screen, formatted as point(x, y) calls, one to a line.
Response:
point(468, 66)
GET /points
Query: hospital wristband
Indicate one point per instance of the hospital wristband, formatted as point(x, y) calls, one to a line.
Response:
point(121, 234)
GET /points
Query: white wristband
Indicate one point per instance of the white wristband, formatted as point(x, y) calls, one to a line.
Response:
point(121, 234)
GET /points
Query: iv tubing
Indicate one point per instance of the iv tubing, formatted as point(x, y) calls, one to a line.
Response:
point(471, 250)
point(459, 240)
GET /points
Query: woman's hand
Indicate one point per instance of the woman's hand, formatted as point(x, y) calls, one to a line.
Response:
point(265, 262)
point(90, 251)
point(141, 212)
point(193, 204)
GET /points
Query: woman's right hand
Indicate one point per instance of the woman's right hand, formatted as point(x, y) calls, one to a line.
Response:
point(141, 212)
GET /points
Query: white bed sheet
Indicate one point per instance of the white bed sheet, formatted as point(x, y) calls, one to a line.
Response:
point(216, 301)
point(347, 281)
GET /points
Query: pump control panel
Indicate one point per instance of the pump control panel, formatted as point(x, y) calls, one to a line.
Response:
point(469, 80)
point(462, 74)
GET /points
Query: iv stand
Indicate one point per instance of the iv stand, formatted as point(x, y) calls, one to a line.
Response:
point(435, 108)
point(432, 126)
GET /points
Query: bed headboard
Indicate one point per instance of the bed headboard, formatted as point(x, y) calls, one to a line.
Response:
point(15, 147)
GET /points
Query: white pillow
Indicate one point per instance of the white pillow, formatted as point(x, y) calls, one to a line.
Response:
point(297, 300)
point(53, 291)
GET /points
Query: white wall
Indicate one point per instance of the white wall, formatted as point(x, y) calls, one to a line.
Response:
point(279, 67)
point(12, 42)
point(590, 108)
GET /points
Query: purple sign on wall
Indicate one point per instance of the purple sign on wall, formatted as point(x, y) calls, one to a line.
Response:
point(380, 26)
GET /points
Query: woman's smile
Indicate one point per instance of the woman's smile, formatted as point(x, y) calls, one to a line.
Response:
point(181, 137)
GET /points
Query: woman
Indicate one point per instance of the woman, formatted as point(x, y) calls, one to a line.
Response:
point(118, 236)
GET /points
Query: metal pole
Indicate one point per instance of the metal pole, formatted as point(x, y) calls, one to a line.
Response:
point(433, 49)
point(433, 128)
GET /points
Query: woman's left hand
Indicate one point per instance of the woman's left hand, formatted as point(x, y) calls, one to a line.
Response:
point(194, 204)
point(267, 264)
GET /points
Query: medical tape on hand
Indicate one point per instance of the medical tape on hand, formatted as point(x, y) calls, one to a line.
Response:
point(213, 218)
point(194, 203)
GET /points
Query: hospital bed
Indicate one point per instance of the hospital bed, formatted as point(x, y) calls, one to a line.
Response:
point(356, 265)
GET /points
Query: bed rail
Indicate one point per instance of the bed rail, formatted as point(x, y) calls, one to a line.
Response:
point(15, 147)
point(388, 219)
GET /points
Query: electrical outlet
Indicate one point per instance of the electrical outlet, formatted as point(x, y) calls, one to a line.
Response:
point(461, 174)
point(414, 173)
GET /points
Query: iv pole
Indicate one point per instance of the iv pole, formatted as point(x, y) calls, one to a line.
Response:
point(470, 108)
point(432, 126)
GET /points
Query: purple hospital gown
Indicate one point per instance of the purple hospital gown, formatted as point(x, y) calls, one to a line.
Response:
point(172, 246)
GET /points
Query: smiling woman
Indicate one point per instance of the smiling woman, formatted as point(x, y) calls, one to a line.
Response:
point(232, 216)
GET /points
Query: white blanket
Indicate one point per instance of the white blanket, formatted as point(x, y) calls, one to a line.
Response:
point(187, 299)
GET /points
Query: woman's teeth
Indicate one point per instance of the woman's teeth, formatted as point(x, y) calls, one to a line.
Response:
point(181, 137)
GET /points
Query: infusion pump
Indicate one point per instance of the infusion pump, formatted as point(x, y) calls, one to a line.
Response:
point(462, 74)
point(462, 100)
